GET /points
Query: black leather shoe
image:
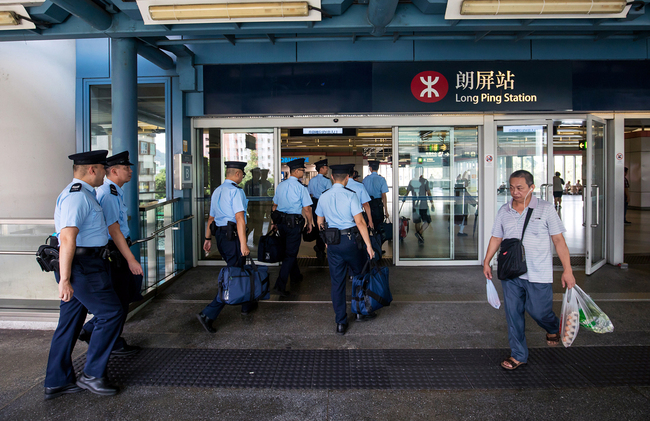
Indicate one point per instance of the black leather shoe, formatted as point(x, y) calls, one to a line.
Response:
point(280, 292)
point(55, 392)
point(126, 350)
point(84, 336)
point(251, 308)
point(341, 328)
point(97, 385)
point(362, 318)
point(206, 322)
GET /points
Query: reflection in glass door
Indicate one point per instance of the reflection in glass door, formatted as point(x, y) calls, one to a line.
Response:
point(595, 195)
point(255, 147)
point(438, 193)
point(522, 147)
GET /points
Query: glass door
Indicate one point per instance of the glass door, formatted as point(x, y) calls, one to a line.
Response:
point(594, 194)
point(438, 194)
point(523, 145)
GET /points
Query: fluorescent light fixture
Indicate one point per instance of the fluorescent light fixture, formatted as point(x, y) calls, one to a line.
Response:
point(541, 7)
point(215, 11)
point(9, 19)
point(536, 9)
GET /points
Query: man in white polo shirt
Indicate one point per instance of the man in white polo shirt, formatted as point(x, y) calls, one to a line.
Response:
point(532, 291)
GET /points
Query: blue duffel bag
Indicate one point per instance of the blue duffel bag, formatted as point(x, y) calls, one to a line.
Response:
point(238, 285)
point(370, 290)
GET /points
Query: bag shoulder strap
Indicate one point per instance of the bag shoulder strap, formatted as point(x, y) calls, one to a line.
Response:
point(528, 215)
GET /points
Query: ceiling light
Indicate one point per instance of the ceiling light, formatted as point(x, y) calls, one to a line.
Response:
point(9, 19)
point(541, 7)
point(229, 10)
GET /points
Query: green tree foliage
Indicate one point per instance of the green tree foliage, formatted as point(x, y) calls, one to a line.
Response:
point(161, 184)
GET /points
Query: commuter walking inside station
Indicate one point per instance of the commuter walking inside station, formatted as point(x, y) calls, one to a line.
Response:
point(227, 222)
point(532, 291)
point(291, 213)
point(346, 234)
point(125, 270)
point(317, 186)
point(84, 283)
point(558, 189)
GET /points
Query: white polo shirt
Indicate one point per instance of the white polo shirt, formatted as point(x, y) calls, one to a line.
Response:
point(543, 223)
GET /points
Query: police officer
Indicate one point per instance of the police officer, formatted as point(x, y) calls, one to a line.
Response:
point(362, 193)
point(227, 222)
point(84, 283)
point(377, 188)
point(291, 211)
point(317, 186)
point(125, 270)
point(340, 207)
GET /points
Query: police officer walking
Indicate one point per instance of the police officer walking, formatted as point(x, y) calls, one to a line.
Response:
point(227, 222)
point(346, 234)
point(317, 186)
point(291, 211)
point(362, 193)
point(84, 283)
point(377, 188)
point(125, 270)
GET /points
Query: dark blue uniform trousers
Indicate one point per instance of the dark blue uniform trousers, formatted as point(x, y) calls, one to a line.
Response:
point(93, 291)
point(231, 252)
point(292, 237)
point(320, 244)
point(127, 286)
point(342, 256)
point(520, 295)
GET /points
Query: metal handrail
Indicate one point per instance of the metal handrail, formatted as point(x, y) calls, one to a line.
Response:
point(158, 231)
point(27, 221)
point(153, 205)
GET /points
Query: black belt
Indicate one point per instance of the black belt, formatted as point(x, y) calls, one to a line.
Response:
point(225, 228)
point(349, 231)
point(89, 251)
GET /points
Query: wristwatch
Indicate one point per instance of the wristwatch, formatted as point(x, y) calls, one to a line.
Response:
point(208, 239)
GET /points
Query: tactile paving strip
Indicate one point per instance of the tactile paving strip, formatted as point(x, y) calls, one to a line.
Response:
point(444, 369)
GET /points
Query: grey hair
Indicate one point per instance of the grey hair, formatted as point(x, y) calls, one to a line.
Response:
point(523, 174)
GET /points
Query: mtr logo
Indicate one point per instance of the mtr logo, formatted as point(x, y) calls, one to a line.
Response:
point(429, 86)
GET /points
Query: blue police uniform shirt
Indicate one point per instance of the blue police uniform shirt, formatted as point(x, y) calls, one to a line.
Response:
point(375, 185)
point(79, 208)
point(318, 185)
point(338, 206)
point(227, 200)
point(113, 205)
point(291, 196)
point(360, 190)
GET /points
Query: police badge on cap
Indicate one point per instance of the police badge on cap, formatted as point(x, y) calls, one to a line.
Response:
point(89, 158)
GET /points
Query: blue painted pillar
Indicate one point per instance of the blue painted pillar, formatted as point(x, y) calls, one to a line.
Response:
point(124, 96)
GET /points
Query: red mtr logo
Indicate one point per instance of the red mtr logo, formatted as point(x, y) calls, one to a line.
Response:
point(429, 86)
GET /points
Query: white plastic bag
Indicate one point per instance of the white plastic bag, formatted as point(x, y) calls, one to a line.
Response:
point(570, 318)
point(591, 316)
point(492, 296)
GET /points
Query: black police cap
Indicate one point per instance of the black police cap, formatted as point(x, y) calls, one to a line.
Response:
point(340, 169)
point(321, 163)
point(351, 169)
point(121, 158)
point(374, 164)
point(89, 158)
point(296, 163)
point(236, 164)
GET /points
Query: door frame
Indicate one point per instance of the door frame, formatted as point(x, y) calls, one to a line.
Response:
point(588, 191)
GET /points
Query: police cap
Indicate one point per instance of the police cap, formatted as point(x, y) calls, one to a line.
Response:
point(374, 164)
point(296, 163)
point(236, 164)
point(351, 169)
point(340, 169)
point(121, 158)
point(321, 163)
point(89, 158)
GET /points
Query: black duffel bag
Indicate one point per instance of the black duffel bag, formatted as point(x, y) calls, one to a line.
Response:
point(270, 248)
point(47, 255)
point(512, 256)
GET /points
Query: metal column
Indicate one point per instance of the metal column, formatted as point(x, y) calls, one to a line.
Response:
point(124, 96)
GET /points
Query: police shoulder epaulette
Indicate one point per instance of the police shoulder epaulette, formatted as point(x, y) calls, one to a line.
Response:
point(238, 186)
point(326, 177)
point(113, 190)
point(75, 187)
point(325, 191)
point(350, 190)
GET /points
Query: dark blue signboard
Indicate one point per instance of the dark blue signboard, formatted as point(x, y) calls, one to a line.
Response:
point(472, 86)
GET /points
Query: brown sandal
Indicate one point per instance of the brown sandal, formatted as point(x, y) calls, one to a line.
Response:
point(510, 363)
point(553, 341)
